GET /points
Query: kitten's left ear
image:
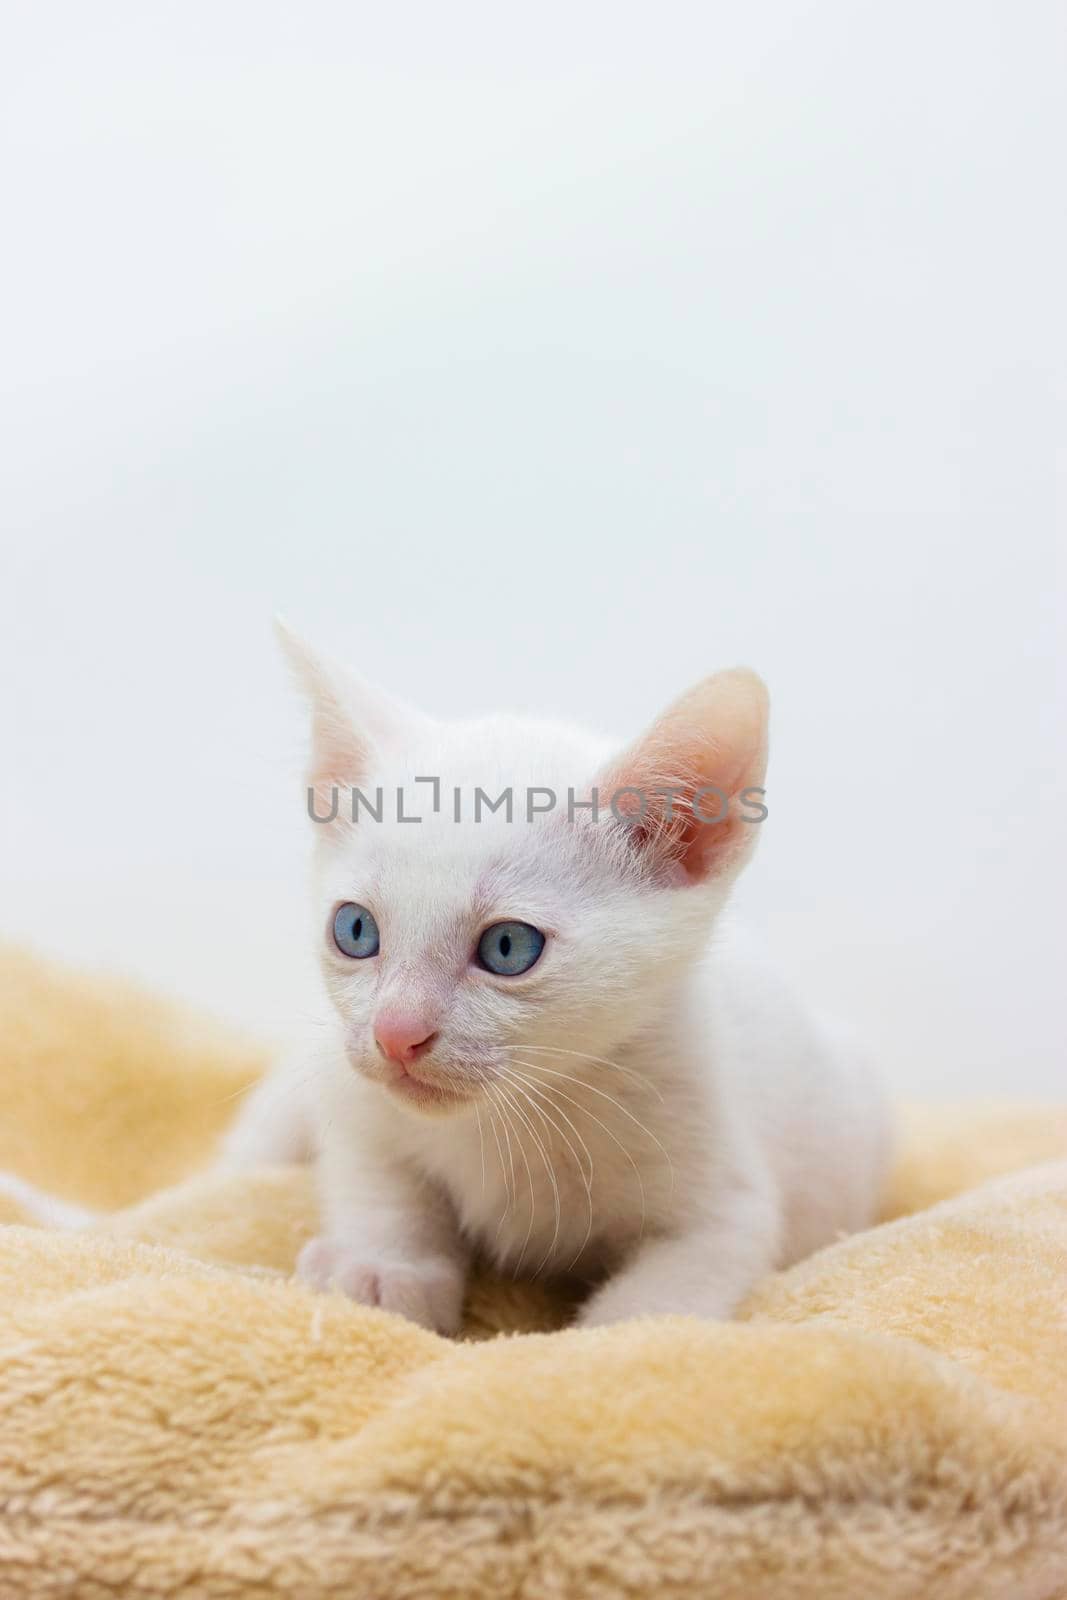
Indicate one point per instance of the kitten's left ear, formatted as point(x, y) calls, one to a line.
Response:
point(682, 783)
point(351, 720)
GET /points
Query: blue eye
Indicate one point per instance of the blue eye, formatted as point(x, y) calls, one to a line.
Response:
point(355, 932)
point(510, 948)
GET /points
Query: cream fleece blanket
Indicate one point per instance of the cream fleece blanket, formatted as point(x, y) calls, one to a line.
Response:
point(177, 1417)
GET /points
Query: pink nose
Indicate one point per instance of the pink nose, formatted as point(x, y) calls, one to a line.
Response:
point(402, 1038)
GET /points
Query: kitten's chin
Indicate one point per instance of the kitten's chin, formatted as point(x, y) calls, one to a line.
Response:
point(425, 1095)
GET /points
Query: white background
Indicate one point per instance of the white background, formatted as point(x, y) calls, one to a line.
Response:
point(543, 357)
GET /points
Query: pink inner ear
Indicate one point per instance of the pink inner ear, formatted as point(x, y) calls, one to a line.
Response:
point(706, 749)
point(338, 760)
point(347, 716)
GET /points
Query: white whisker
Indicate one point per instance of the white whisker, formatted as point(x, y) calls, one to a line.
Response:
point(529, 1175)
point(587, 1180)
point(290, 1085)
point(236, 1094)
point(535, 1068)
point(583, 1055)
point(481, 1142)
point(549, 1168)
point(543, 1094)
point(508, 1198)
point(602, 1124)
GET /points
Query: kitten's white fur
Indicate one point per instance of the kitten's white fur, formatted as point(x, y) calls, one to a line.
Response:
point(648, 1106)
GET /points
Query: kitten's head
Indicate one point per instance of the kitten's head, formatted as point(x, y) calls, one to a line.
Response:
point(470, 944)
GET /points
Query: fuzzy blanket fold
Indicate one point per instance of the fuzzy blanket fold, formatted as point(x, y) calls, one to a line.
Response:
point(177, 1417)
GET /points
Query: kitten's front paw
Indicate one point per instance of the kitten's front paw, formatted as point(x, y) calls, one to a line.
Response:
point(428, 1292)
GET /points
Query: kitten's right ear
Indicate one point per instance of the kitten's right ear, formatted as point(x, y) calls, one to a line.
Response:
point(705, 752)
point(350, 721)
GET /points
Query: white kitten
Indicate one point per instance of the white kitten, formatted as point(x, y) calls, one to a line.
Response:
point(547, 1044)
